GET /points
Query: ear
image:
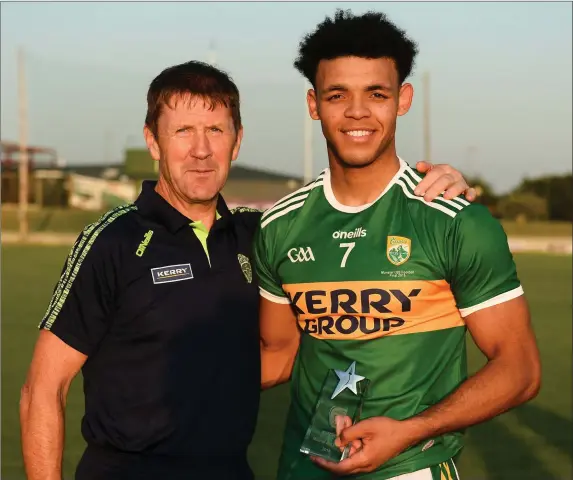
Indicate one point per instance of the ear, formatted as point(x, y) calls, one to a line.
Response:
point(312, 104)
point(151, 143)
point(237, 145)
point(405, 97)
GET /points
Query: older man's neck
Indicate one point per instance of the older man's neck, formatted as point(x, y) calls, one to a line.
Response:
point(204, 212)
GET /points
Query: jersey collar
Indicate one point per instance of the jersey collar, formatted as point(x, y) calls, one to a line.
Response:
point(329, 194)
point(153, 206)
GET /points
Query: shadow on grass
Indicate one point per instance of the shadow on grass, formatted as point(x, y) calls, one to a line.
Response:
point(505, 455)
point(555, 429)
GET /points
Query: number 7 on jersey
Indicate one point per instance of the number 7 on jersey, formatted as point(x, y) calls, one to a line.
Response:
point(349, 247)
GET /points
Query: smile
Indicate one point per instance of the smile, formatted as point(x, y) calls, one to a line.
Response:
point(358, 133)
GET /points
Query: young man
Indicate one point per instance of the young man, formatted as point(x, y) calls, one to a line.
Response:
point(359, 275)
point(153, 301)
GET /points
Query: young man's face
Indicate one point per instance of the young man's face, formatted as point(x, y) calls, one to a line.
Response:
point(195, 146)
point(357, 101)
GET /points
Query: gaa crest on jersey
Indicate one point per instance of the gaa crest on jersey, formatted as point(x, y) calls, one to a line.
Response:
point(398, 249)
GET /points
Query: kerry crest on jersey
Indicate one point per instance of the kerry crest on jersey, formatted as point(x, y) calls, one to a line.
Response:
point(398, 249)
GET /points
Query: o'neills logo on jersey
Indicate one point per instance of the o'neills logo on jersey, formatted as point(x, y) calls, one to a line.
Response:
point(356, 233)
point(368, 309)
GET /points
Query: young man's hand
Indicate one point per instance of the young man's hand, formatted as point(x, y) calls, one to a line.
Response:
point(373, 442)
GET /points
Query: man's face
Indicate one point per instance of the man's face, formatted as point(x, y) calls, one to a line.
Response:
point(357, 101)
point(195, 146)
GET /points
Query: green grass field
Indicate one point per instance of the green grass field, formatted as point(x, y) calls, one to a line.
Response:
point(73, 220)
point(532, 442)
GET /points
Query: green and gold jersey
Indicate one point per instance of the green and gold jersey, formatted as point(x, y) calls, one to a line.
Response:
point(386, 285)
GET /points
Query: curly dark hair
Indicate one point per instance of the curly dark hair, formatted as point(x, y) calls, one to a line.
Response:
point(370, 35)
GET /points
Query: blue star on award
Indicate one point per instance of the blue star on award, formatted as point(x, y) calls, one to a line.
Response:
point(342, 393)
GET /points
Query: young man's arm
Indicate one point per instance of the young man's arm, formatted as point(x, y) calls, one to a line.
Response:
point(42, 406)
point(491, 301)
point(280, 338)
point(74, 324)
point(511, 376)
point(279, 332)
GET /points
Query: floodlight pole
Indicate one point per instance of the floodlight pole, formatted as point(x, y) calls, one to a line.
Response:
point(308, 160)
point(23, 170)
point(426, 120)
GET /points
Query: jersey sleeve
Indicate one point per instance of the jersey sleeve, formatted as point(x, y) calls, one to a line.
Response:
point(482, 270)
point(264, 249)
point(82, 301)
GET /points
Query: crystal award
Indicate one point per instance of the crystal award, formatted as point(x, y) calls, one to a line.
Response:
point(342, 393)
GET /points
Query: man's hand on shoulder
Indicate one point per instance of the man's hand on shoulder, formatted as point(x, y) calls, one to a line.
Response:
point(442, 178)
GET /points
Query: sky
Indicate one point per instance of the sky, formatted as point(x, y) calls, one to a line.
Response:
point(500, 78)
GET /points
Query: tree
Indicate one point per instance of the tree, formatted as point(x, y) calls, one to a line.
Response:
point(523, 207)
point(556, 189)
point(486, 195)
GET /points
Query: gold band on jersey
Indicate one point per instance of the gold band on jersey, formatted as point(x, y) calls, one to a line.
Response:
point(364, 310)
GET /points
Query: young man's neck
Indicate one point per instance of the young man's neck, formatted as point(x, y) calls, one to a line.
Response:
point(204, 212)
point(354, 187)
